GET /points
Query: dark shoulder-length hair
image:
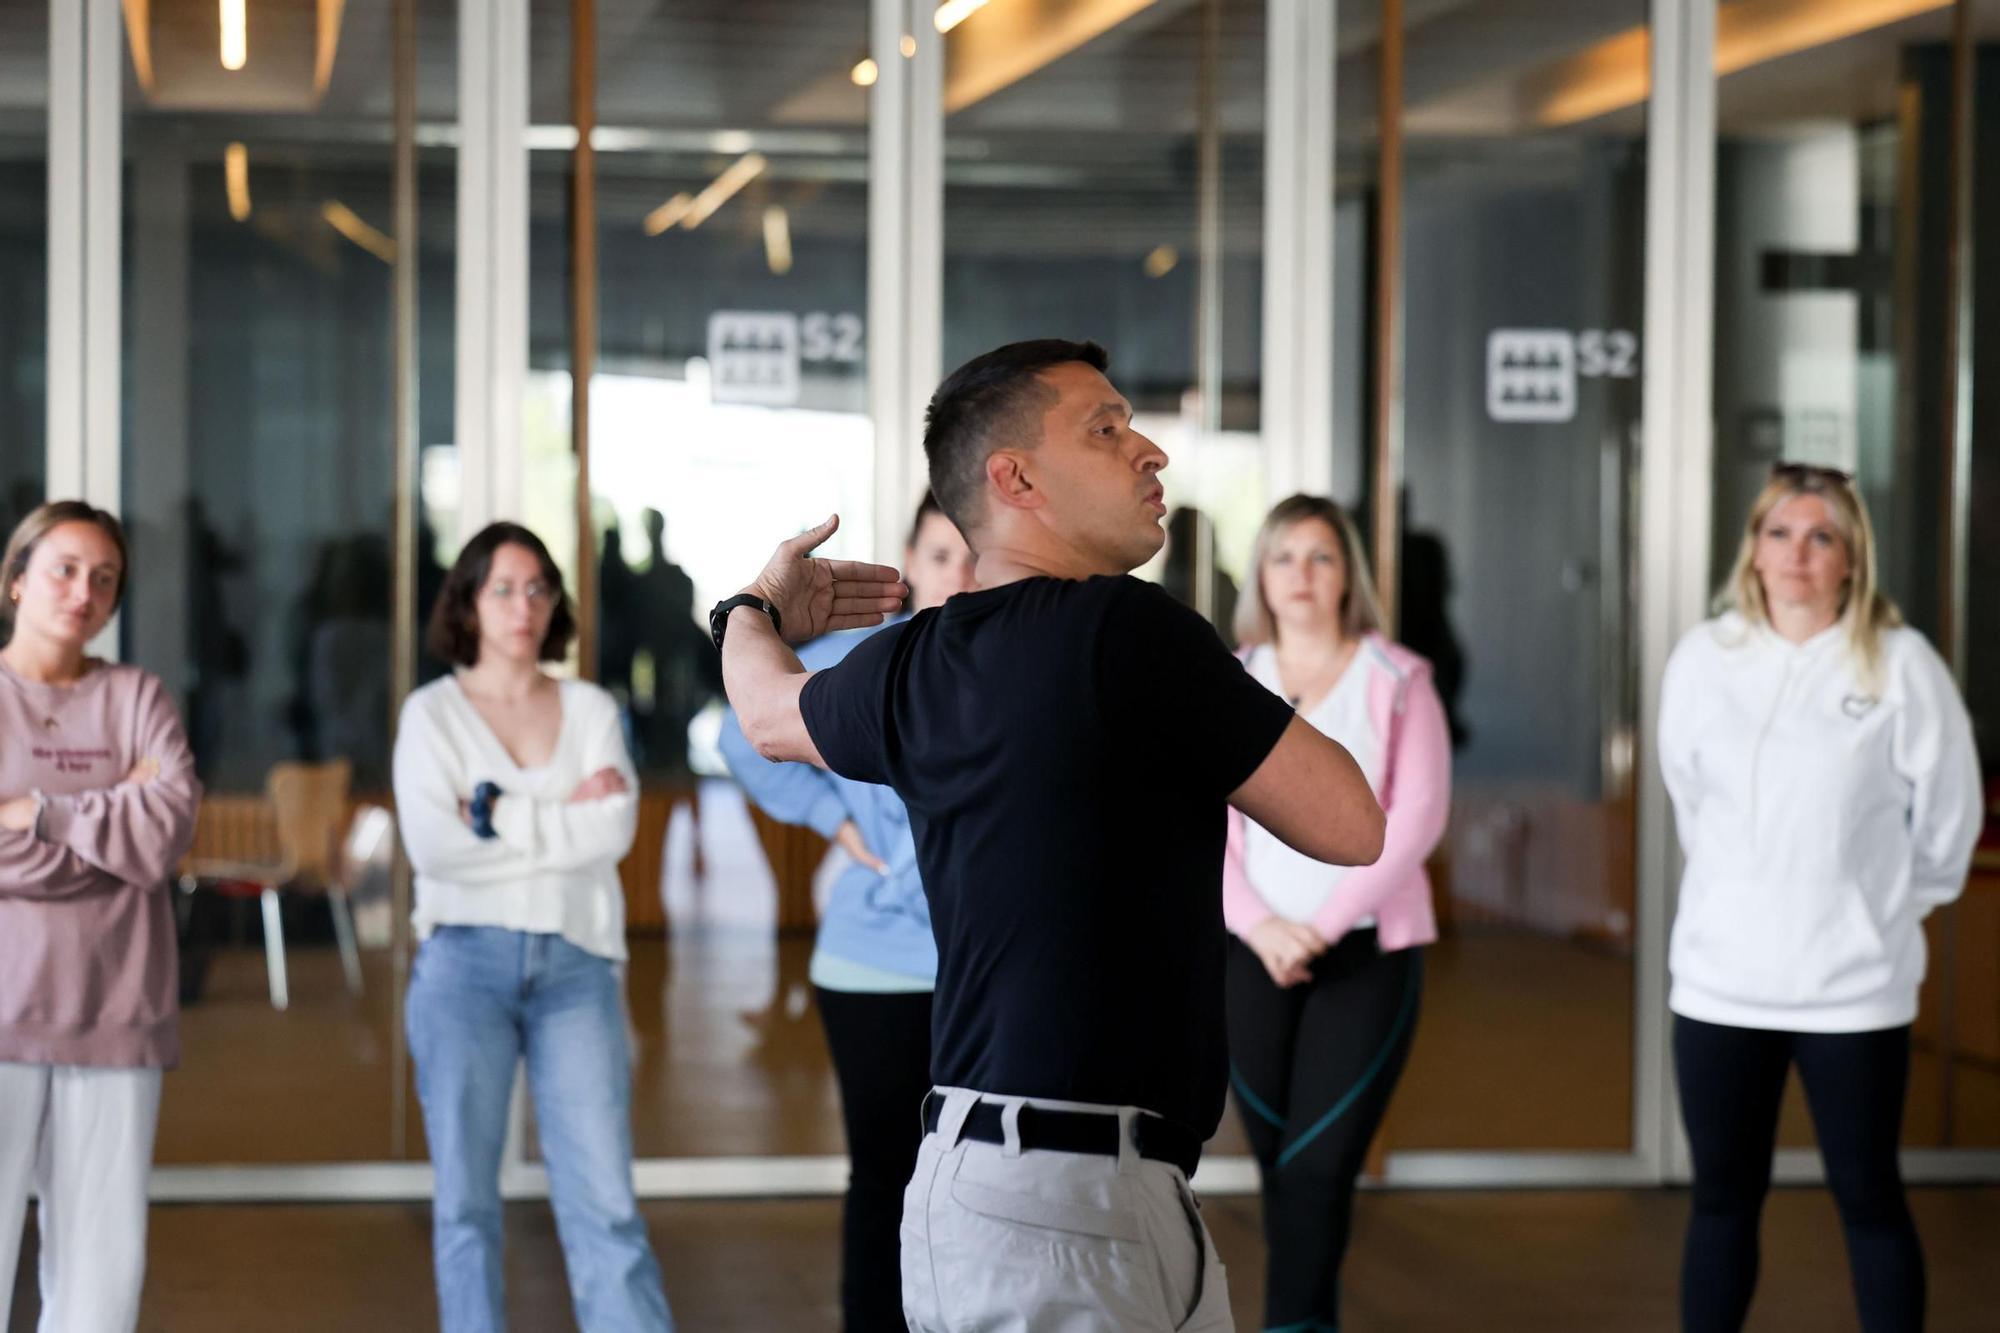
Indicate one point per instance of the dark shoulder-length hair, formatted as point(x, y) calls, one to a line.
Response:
point(453, 633)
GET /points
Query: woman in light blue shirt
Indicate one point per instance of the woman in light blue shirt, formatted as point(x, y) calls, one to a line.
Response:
point(875, 961)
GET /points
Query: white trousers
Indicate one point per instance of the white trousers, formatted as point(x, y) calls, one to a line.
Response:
point(1001, 1239)
point(82, 1140)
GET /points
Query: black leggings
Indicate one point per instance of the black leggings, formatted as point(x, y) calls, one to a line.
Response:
point(881, 1048)
point(1731, 1082)
point(1313, 1066)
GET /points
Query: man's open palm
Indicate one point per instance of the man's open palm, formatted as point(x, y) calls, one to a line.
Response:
point(816, 597)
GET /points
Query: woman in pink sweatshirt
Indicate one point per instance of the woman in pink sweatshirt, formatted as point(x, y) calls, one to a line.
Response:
point(1326, 966)
point(97, 805)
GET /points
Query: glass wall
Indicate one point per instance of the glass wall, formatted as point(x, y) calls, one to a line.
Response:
point(729, 409)
point(1521, 219)
point(1357, 168)
point(1104, 179)
point(260, 495)
point(1969, 1072)
point(24, 281)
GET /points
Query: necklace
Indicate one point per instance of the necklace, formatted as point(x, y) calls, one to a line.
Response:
point(1323, 679)
point(49, 720)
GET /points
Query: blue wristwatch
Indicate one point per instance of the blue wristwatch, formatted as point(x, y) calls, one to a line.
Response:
point(480, 807)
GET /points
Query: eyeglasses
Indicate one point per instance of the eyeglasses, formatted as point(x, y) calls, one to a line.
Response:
point(1809, 474)
point(537, 593)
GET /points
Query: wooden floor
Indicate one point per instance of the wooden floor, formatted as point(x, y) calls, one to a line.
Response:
point(1523, 1042)
point(1495, 1262)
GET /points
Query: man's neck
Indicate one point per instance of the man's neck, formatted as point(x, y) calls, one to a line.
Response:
point(1002, 561)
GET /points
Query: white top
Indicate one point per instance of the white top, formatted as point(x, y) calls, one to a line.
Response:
point(1292, 884)
point(553, 869)
point(1821, 822)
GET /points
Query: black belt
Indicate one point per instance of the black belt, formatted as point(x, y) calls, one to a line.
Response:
point(1093, 1132)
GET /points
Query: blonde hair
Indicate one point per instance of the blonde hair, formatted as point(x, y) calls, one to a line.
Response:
point(1864, 610)
point(28, 534)
point(1360, 611)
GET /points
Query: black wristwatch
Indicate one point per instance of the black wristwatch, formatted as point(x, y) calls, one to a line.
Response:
point(480, 809)
point(718, 619)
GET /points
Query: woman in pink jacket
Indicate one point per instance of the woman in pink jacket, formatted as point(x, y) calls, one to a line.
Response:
point(1326, 964)
point(97, 804)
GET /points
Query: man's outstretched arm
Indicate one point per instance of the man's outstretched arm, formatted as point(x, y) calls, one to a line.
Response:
point(760, 672)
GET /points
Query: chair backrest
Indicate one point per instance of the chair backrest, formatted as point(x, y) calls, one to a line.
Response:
point(310, 801)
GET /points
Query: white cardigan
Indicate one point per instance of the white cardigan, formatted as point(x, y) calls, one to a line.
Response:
point(553, 869)
point(1821, 821)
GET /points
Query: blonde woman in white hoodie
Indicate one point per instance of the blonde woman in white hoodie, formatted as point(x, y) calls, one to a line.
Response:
point(1827, 794)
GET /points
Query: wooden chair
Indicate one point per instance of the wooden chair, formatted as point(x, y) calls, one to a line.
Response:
point(310, 806)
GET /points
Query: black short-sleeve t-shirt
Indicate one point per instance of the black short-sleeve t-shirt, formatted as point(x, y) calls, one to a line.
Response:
point(1066, 749)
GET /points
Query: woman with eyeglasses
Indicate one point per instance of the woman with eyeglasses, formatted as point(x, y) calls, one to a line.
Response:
point(874, 963)
point(1827, 794)
point(97, 805)
point(518, 800)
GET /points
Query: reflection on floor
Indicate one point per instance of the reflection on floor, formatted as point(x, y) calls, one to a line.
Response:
point(1524, 1042)
point(1499, 1263)
point(309, 1084)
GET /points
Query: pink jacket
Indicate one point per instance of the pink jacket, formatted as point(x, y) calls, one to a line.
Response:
point(1415, 794)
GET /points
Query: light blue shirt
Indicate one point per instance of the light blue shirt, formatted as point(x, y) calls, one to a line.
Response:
point(876, 932)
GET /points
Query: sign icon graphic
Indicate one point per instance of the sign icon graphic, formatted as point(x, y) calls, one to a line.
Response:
point(1531, 375)
point(753, 357)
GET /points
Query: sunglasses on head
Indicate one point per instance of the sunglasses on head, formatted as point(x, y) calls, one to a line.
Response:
point(1809, 473)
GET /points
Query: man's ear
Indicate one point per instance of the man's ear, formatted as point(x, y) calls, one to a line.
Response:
point(1008, 480)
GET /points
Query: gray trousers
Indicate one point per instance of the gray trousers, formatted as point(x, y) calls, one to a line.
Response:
point(1001, 1239)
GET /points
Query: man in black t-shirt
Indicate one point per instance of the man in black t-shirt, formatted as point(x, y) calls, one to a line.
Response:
point(1066, 739)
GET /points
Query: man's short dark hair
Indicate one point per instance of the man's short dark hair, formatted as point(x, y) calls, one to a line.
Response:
point(453, 633)
point(992, 401)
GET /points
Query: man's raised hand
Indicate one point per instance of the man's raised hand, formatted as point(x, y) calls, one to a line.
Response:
point(815, 597)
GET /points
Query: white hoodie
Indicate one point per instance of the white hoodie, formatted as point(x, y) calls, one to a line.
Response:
point(1820, 823)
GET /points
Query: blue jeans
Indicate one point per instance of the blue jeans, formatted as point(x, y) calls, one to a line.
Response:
point(482, 998)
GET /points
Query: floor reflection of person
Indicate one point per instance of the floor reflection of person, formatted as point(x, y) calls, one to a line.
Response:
point(430, 580)
point(220, 651)
point(518, 799)
point(97, 806)
point(874, 962)
point(341, 651)
point(686, 673)
point(617, 640)
point(1827, 796)
point(1424, 625)
point(1327, 965)
point(1067, 739)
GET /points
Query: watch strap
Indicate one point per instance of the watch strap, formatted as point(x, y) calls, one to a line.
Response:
point(718, 619)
